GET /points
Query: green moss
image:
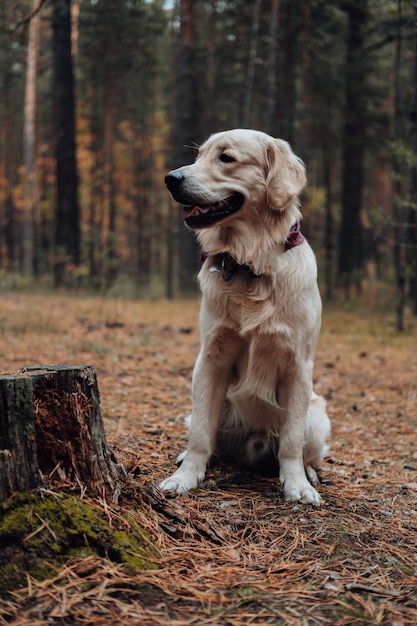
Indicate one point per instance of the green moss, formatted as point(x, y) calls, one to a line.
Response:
point(39, 532)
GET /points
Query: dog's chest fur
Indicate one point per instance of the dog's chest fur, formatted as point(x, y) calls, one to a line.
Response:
point(247, 308)
point(270, 317)
point(248, 305)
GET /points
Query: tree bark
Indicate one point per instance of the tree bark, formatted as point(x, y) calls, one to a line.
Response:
point(210, 118)
point(187, 132)
point(351, 246)
point(30, 220)
point(8, 128)
point(288, 92)
point(19, 469)
point(67, 226)
point(272, 72)
point(398, 210)
point(110, 93)
point(52, 427)
point(250, 76)
point(303, 143)
point(328, 224)
point(412, 208)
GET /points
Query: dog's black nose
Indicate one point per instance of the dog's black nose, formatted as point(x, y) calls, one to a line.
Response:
point(173, 180)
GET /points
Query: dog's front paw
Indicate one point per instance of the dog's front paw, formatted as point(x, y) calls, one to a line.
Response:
point(180, 482)
point(304, 493)
point(297, 488)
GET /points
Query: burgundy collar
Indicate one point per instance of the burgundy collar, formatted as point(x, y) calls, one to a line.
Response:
point(227, 266)
point(295, 238)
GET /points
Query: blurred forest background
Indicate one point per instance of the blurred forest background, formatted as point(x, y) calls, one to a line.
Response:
point(99, 98)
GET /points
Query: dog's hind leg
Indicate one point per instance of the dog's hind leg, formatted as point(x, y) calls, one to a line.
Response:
point(317, 433)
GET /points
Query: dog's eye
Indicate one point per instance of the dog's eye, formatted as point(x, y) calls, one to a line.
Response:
point(226, 158)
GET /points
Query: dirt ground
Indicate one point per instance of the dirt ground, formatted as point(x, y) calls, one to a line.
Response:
point(234, 552)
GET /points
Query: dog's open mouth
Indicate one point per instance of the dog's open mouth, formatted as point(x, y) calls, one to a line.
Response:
point(202, 216)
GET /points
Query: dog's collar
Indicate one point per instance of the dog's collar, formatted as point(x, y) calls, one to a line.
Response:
point(295, 238)
point(228, 266)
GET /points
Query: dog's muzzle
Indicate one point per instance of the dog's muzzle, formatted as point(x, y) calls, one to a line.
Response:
point(196, 213)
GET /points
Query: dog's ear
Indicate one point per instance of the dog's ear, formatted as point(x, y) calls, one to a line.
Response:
point(286, 175)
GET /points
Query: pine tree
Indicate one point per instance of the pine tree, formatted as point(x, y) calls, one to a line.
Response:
point(67, 220)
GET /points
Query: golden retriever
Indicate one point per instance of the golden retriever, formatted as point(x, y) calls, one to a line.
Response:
point(252, 397)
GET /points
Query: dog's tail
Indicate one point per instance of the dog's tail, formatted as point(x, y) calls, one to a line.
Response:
point(261, 453)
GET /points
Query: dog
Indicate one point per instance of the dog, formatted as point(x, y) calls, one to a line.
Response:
point(252, 396)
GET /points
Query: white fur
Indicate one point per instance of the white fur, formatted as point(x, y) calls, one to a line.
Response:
point(252, 381)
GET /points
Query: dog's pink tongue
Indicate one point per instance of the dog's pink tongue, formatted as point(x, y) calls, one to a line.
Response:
point(188, 211)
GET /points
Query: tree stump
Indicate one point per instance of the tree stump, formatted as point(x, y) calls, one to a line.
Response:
point(51, 424)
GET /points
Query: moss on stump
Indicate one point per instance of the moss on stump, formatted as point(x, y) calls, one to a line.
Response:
point(39, 532)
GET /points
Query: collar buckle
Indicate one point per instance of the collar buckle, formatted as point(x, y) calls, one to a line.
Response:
point(227, 266)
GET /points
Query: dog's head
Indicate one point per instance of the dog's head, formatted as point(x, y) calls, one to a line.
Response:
point(235, 172)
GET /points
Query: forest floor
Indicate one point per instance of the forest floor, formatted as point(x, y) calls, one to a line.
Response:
point(234, 552)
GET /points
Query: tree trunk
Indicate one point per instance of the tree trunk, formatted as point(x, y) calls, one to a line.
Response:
point(67, 225)
point(144, 225)
point(30, 187)
point(250, 77)
point(187, 132)
point(9, 229)
point(95, 205)
point(303, 143)
point(272, 72)
point(351, 247)
point(288, 92)
point(412, 208)
point(210, 118)
point(171, 237)
point(51, 427)
point(328, 229)
point(398, 212)
point(109, 159)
